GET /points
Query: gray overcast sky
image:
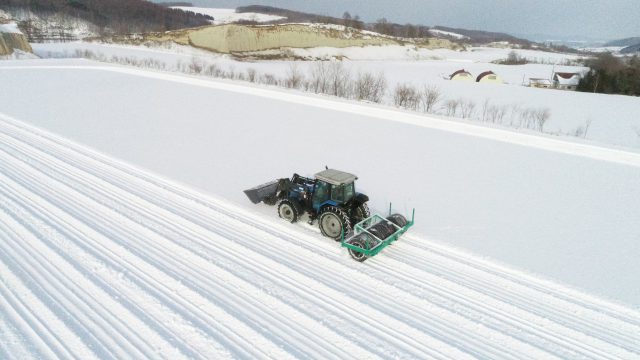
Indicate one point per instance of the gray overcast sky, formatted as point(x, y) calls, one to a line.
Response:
point(598, 19)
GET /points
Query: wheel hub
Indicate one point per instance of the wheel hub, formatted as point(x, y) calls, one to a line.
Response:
point(331, 225)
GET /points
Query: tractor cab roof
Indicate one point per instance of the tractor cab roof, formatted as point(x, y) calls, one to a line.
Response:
point(336, 177)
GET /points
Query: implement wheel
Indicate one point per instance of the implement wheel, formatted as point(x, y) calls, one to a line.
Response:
point(333, 221)
point(289, 210)
point(357, 255)
point(363, 241)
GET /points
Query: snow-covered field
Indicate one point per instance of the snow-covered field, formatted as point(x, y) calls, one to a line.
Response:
point(537, 207)
point(99, 258)
point(225, 16)
point(612, 119)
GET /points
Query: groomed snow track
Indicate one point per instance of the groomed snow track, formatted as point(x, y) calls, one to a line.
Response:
point(101, 260)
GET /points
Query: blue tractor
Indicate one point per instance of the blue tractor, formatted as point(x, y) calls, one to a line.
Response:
point(330, 198)
point(342, 213)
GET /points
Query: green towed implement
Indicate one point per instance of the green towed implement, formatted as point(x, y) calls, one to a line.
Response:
point(375, 233)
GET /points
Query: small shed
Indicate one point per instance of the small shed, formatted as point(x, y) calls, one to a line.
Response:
point(461, 75)
point(540, 83)
point(489, 77)
point(566, 80)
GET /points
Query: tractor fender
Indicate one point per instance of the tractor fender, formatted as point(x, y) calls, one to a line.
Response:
point(360, 199)
point(327, 204)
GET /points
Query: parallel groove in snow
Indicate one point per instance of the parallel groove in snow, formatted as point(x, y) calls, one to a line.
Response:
point(178, 264)
point(424, 301)
point(343, 303)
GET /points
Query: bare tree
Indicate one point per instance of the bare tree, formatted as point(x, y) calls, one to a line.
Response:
point(369, 87)
point(406, 96)
point(294, 78)
point(195, 66)
point(430, 97)
point(543, 115)
point(451, 107)
point(339, 80)
point(213, 70)
point(346, 18)
point(252, 74)
point(582, 130)
point(467, 108)
point(497, 113)
point(319, 82)
point(269, 79)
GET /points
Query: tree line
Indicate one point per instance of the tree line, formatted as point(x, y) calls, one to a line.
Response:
point(611, 74)
point(114, 16)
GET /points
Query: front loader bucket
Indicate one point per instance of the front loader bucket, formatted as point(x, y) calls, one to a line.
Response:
point(373, 234)
point(262, 192)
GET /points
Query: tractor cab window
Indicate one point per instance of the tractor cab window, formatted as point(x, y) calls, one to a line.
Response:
point(321, 193)
point(342, 193)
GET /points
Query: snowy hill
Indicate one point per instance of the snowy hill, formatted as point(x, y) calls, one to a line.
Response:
point(13, 43)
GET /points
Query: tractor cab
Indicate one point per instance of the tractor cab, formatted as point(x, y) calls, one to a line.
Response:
point(334, 188)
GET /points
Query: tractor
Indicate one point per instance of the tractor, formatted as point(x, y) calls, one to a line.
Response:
point(331, 199)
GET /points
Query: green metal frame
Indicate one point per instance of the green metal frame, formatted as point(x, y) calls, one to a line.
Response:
point(379, 244)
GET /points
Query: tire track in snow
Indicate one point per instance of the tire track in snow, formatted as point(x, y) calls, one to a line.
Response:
point(336, 340)
point(106, 327)
point(296, 337)
point(112, 282)
point(31, 319)
point(619, 330)
point(527, 281)
point(265, 268)
point(271, 227)
point(452, 330)
point(241, 340)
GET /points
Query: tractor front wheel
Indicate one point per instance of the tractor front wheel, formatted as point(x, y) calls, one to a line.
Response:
point(289, 210)
point(334, 222)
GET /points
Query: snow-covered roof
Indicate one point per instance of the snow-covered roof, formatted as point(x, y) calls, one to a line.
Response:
point(564, 78)
point(461, 71)
point(484, 74)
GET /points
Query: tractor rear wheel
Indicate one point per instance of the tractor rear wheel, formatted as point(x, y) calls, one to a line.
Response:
point(360, 213)
point(289, 210)
point(334, 222)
